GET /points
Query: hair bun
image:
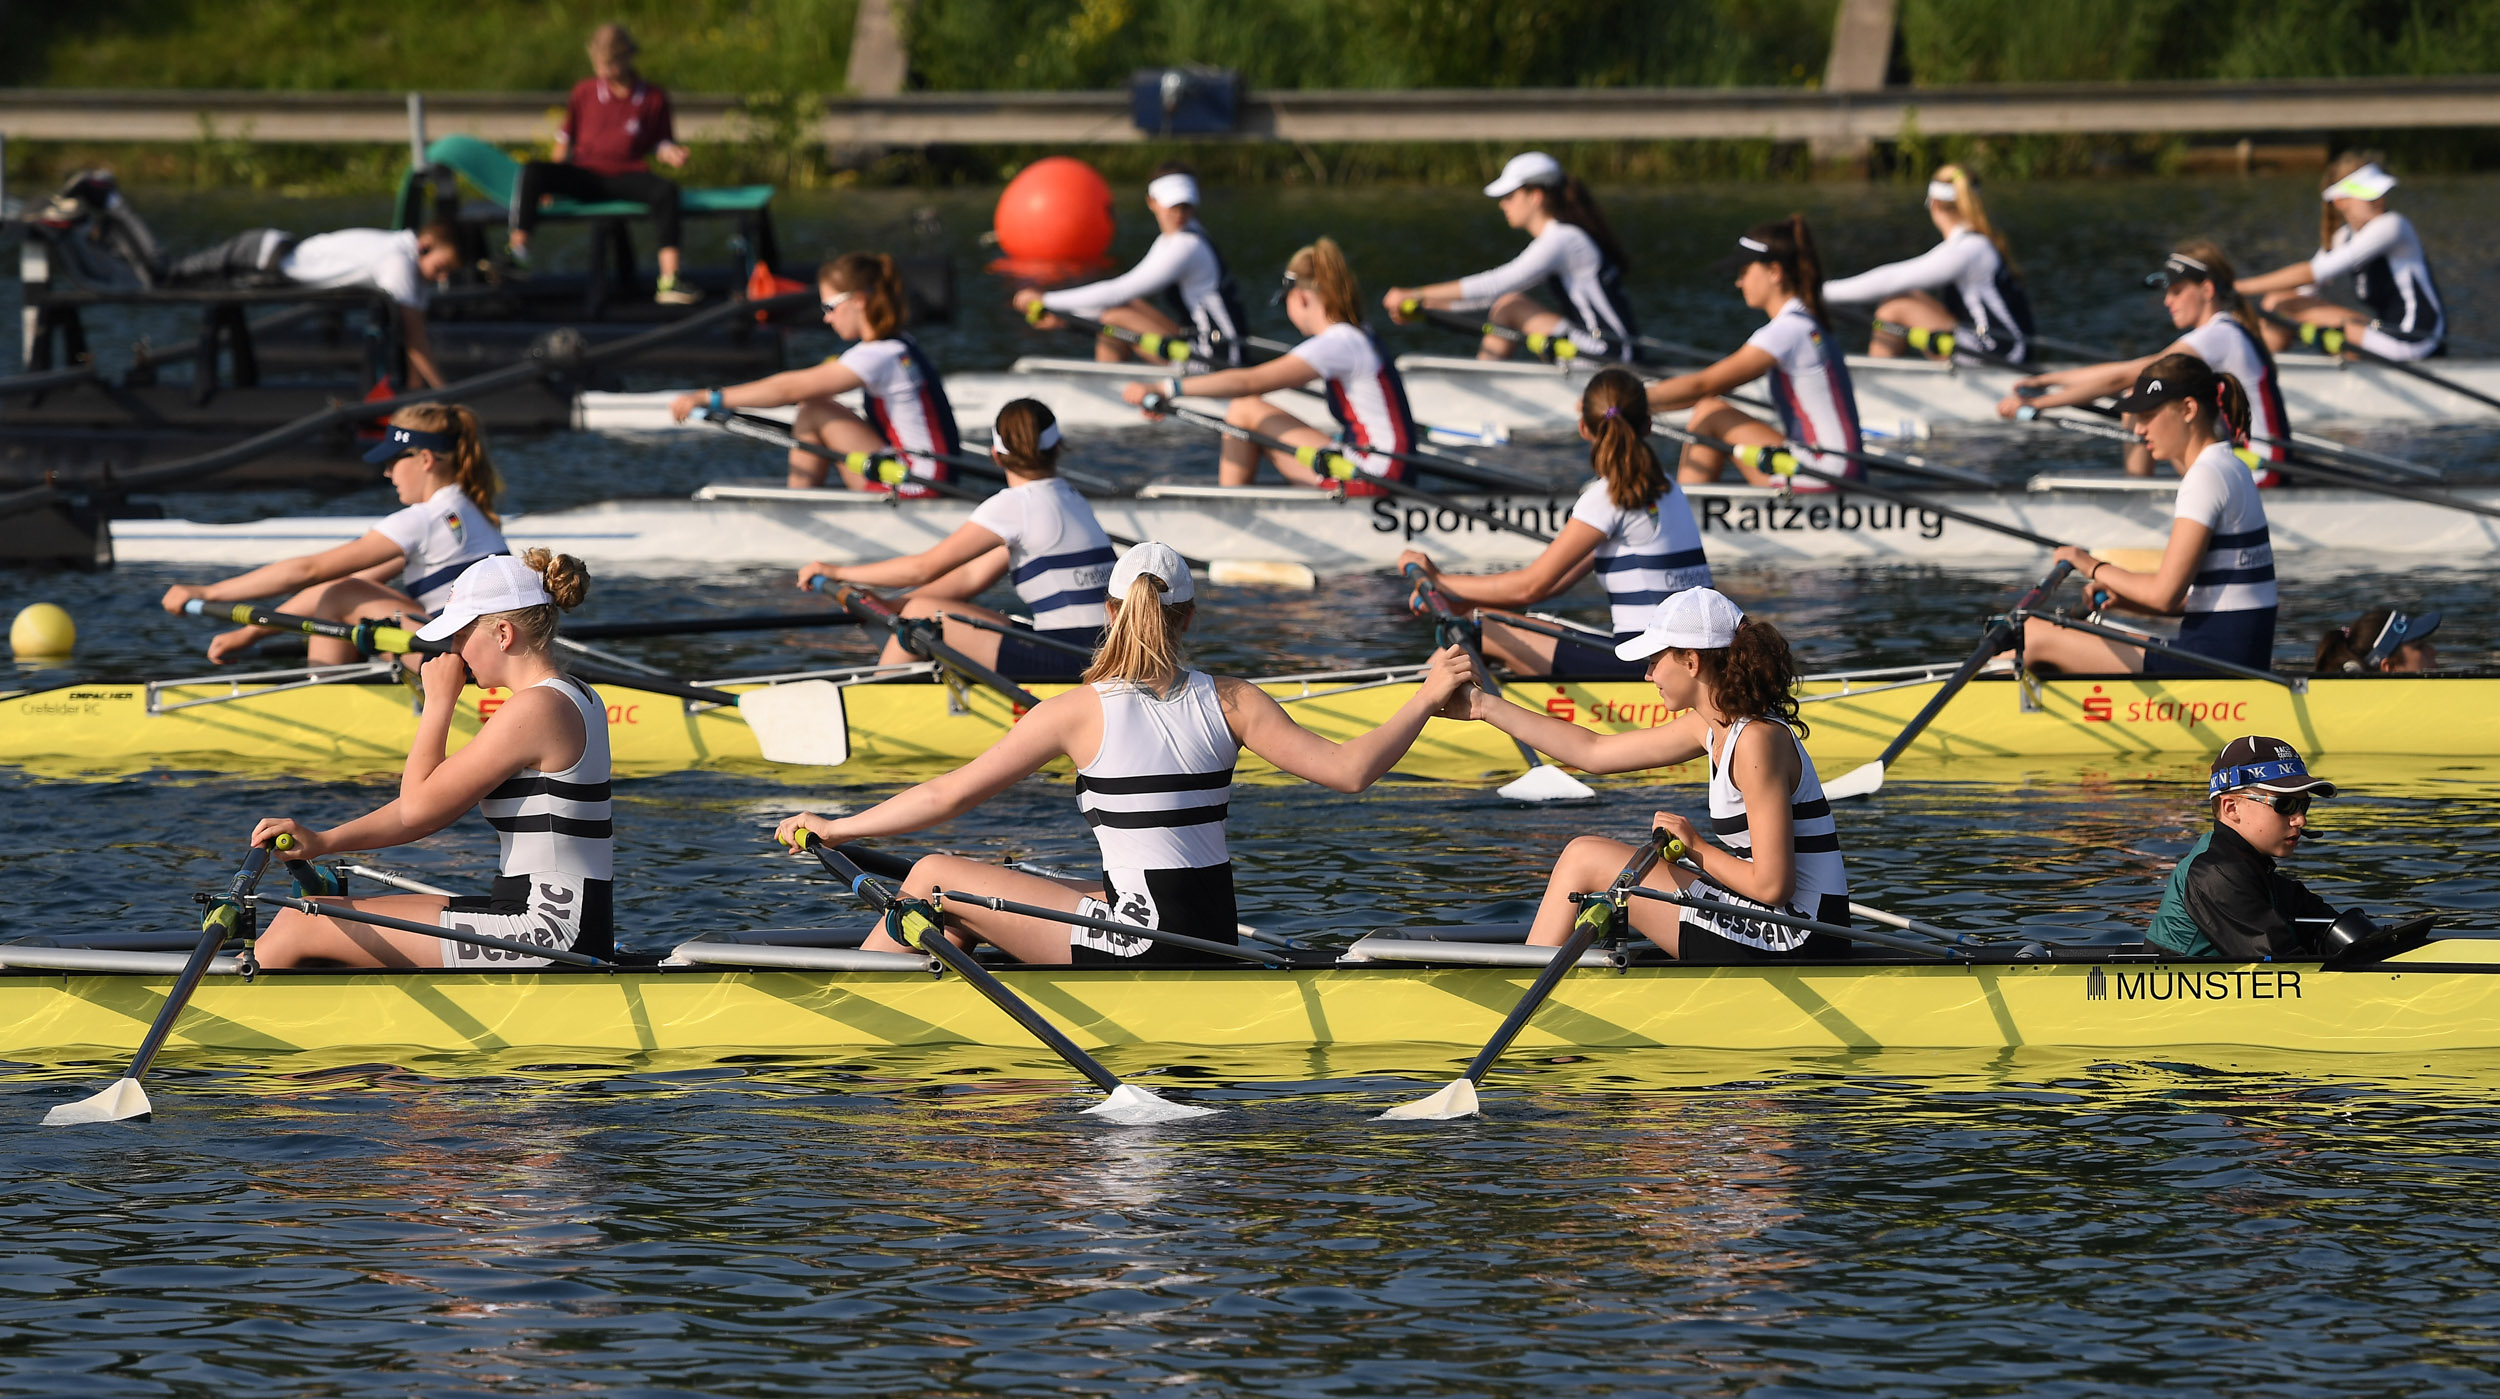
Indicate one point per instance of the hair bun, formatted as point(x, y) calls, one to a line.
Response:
point(566, 577)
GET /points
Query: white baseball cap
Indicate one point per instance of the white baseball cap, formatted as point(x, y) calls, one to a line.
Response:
point(1168, 190)
point(2368, 182)
point(1696, 619)
point(1161, 560)
point(496, 583)
point(1532, 168)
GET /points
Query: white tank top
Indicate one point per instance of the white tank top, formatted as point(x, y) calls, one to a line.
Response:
point(1813, 834)
point(1158, 793)
point(1058, 557)
point(560, 822)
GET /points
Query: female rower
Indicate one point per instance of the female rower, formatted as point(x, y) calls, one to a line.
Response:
point(906, 402)
point(2217, 574)
point(1038, 531)
point(1365, 394)
point(2196, 284)
point(1631, 525)
point(1154, 745)
point(1570, 251)
point(436, 460)
point(2358, 234)
point(1967, 283)
point(537, 769)
point(1778, 846)
point(1182, 264)
point(2383, 642)
point(1780, 275)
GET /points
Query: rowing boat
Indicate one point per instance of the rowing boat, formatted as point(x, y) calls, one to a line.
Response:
point(765, 523)
point(2444, 995)
point(355, 719)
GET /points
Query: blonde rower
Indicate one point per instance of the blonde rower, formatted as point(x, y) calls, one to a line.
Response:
point(1154, 744)
point(1967, 283)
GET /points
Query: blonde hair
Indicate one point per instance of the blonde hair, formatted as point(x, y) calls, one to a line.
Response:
point(1142, 643)
point(1017, 443)
point(1321, 270)
point(470, 468)
point(1967, 207)
point(2336, 169)
point(567, 580)
point(878, 284)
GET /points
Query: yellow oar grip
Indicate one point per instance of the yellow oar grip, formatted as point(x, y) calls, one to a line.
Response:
point(1410, 305)
point(1034, 310)
point(283, 842)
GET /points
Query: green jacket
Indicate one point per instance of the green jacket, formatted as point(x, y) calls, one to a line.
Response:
point(2226, 900)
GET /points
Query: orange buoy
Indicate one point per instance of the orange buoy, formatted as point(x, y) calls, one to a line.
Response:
point(1056, 210)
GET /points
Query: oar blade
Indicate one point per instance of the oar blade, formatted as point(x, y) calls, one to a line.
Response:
point(1547, 783)
point(1132, 1106)
point(802, 722)
point(122, 1102)
point(1449, 1105)
point(1261, 573)
point(1864, 780)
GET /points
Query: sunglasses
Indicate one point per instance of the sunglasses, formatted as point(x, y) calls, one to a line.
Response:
point(2284, 806)
point(1288, 285)
point(838, 298)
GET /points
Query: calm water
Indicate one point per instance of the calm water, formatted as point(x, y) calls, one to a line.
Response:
point(945, 1223)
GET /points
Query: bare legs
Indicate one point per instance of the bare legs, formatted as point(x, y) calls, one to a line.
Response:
point(1021, 936)
point(1716, 417)
point(836, 429)
point(296, 939)
point(1591, 863)
point(350, 599)
point(1241, 459)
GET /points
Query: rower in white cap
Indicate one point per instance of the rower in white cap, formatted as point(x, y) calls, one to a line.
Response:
point(1154, 744)
point(1182, 265)
point(2360, 237)
point(1777, 845)
point(1571, 253)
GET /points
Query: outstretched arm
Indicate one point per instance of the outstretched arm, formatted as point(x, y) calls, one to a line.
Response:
point(1266, 729)
point(372, 549)
point(1734, 372)
point(1679, 741)
point(1041, 735)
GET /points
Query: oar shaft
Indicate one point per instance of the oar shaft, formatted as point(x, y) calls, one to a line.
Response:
point(691, 626)
point(1594, 921)
point(1452, 629)
point(1999, 636)
point(224, 920)
point(433, 930)
point(1786, 920)
point(1843, 483)
point(2294, 683)
point(2335, 341)
point(1155, 935)
point(916, 637)
point(1397, 489)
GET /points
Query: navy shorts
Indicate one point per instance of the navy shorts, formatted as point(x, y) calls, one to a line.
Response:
point(1020, 658)
point(2242, 638)
point(1587, 658)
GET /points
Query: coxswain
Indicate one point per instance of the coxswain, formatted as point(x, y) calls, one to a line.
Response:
point(1779, 274)
point(2225, 898)
point(537, 769)
point(1365, 394)
point(2217, 573)
point(434, 455)
point(2196, 286)
point(2360, 237)
point(1732, 681)
point(1154, 744)
point(1967, 284)
point(906, 401)
point(1182, 266)
point(1571, 254)
point(2383, 641)
point(1039, 533)
point(1631, 526)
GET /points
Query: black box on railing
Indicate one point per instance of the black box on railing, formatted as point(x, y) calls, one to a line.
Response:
point(1188, 101)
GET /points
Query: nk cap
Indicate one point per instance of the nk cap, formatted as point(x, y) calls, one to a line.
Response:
point(1161, 560)
point(399, 441)
point(1696, 619)
point(1532, 168)
point(496, 583)
point(2368, 182)
point(2267, 764)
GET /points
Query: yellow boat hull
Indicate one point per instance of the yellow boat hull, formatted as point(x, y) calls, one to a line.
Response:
point(900, 730)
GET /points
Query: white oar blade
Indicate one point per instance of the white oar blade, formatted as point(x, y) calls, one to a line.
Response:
point(1450, 1104)
point(801, 722)
point(1132, 1106)
point(1861, 781)
point(119, 1103)
point(1547, 783)
point(1261, 573)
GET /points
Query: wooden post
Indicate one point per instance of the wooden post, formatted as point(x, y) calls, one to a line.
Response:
point(878, 62)
point(1861, 53)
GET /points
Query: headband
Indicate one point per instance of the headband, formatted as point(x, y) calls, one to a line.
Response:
point(1168, 190)
point(1943, 192)
point(1042, 442)
point(2232, 779)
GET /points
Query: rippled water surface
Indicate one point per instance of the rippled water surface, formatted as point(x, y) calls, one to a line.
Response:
point(1627, 1223)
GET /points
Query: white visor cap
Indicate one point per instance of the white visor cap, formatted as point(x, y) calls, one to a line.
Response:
point(2368, 182)
point(496, 583)
point(1168, 190)
point(1696, 619)
point(1161, 560)
point(1533, 168)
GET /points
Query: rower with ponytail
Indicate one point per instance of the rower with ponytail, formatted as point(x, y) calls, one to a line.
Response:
point(2402, 316)
point(1154, 744)
point(1967, 284)
point(1632, 526)
point(1571, 253)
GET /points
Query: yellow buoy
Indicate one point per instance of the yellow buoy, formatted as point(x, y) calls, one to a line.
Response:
point(43, 630)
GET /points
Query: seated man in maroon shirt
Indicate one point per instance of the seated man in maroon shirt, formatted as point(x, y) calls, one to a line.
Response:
point(613, 124)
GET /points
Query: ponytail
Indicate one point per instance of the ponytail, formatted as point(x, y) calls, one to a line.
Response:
point(1615, 410)
point(1142, 643)
point(1572, 203)
point(1321, 269)
point(1755, 676)
point(874, 279)
point(567, 581)
point(2220, 396)
point(1973, 214)
point(467, 461)
point(1016, 438)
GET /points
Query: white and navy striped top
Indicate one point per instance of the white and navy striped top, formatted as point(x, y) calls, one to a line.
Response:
point(2389, 275)
point(1058, 557)
point(1813, 834)
point(1159, 791)
point(560, 822)
point(1567, 259)
point(1810, 385)
point(438, 538)
point(1647, 556)
point(2237, 572)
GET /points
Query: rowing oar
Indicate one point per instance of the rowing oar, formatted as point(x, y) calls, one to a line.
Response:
point(432, 930)
point(922, 638)
point(1782, 461)
point(1558, 350)
point(1597, 918)
point(916, 924)
point(2335, 341)
point(691, 626)
point(1542, 782)
point(1337, 466)
point(1866, 780)
point(229, 916)
point(372, 638)
point(2301, 464)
